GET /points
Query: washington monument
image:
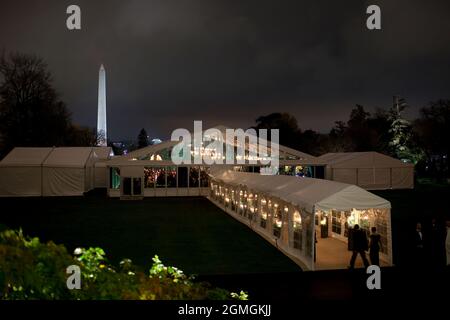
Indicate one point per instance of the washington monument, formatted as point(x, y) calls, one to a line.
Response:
point(101, 117)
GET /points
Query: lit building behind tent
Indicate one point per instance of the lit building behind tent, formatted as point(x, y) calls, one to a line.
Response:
point(369, 170)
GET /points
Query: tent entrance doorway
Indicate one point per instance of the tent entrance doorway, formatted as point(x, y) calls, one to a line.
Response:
point(131, 188)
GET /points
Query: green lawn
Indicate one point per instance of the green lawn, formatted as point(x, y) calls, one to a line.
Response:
point(189, 233)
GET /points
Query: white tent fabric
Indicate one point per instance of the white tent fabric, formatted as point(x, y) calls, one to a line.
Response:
point(63, 171)
point(308, 193)
point(68, 171)
point(103, 154)
point(21, 172)
point(370, 170)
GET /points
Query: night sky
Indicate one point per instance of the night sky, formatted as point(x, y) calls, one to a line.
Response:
point(228, 62)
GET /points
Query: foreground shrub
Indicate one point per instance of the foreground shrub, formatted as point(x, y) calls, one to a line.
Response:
point(30, 269)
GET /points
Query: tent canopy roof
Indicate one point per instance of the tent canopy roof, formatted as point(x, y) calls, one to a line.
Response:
point(306, 192)
point(75, 157)
point(369, 159)
point(102, 153)
point(26, 157)
point(289, 154)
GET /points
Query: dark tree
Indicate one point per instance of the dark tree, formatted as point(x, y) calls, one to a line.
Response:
point(432, 129)
point(290, 133)
point(358, 130)
point(83, 136)
point(31, 113)
point(142, 138)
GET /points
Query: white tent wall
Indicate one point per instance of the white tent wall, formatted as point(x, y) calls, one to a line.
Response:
point(344, 175)
point(68, 171)
point(100, 175)
point(62, 171)
point(20, 181)
point(21, 172)
point(369, 170)
point(63, 181)
point(403, 178)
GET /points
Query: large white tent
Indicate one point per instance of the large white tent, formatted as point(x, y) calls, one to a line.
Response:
point(283, 209)
point(21, 172)
point(65, 171)
point(369, 170)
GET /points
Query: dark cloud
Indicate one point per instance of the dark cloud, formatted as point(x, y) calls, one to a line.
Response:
point(171, 62)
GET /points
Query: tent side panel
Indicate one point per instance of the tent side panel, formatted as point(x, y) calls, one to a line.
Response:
point(374, 178)
point(403, 178)
point(100, 180)
point(345, 175)
point(20, 181)
point(63, 181)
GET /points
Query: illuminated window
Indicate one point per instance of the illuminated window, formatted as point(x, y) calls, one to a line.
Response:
point(297, 228)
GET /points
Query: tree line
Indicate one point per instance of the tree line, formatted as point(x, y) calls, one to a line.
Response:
point(422, 141)
point(32, 113)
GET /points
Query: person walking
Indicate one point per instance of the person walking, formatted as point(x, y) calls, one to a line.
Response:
point(419, 246)
point(375, 246)
point(360, 246)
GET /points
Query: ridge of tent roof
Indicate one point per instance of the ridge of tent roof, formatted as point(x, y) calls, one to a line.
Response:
point(305, 192)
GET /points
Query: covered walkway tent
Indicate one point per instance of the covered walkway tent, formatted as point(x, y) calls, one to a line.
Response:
point(21, 172)
point(369, 170)
point(288, 211)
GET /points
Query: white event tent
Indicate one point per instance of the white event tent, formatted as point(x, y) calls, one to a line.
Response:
point(65, 171)
point(284, 210)
point(369, 170)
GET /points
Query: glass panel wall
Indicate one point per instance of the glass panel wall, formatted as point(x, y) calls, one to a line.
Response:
point(204, 177)
point(297, 230)
point(171, 177)
point(264, 213)
point(160, 177)
point(194, 178)
point(277, 220)
point(150, 177)
point(183, 177)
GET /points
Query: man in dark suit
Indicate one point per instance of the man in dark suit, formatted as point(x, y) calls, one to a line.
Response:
point(360, 245)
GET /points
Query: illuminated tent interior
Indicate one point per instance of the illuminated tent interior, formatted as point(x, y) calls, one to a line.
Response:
point(150, 171)
point(369, 170)
point(288, 211)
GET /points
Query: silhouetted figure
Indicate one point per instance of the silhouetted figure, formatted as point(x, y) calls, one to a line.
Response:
point(447, 243)
point(360, 246)
point(375, 247)
point(418, 245)
point(315, 245)
point(437, 244)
